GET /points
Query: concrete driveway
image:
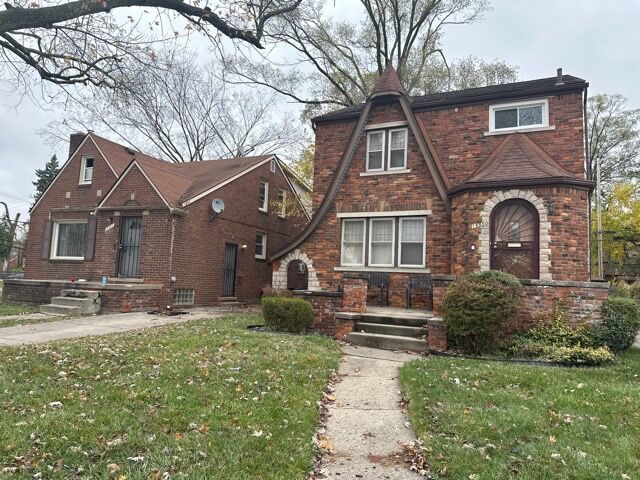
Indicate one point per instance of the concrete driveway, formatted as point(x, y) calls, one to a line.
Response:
point(100, 325)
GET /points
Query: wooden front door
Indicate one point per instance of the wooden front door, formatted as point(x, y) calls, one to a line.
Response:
point(229, 270)
point(129, 246)
point(515, 239)
point(297, 275)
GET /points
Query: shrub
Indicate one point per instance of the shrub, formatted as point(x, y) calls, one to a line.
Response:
point(620, 288)
point(620, 324)
point(555, 330)
point(478, 309)
point(634, 291)
point(287, 314)
point(579, 355)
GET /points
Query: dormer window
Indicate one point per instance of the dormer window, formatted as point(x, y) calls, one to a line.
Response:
point(517, 116)
point(387, 150)
point(86, 171)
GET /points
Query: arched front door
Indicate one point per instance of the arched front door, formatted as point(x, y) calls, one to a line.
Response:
point(297, 275)
point(515, 239)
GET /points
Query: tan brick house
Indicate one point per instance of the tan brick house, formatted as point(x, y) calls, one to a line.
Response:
point(151, 229)
point(440, 185)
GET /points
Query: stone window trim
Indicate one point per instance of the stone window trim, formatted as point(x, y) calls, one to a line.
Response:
point(544, 229)
point(279, 280)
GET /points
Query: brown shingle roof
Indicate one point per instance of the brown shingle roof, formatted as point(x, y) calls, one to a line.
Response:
point(519, 160)
point(388, 83)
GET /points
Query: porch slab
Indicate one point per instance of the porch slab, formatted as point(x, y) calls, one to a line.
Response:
point(395, 312)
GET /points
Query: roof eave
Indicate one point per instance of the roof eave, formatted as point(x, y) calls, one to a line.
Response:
point(525, 182)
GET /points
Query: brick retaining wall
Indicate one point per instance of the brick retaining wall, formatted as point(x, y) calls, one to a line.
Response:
point(325, 305)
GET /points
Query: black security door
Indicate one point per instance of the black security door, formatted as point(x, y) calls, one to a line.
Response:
point(129, 247)
point(229, 278)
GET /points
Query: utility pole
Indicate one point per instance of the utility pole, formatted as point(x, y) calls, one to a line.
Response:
point(599, 219)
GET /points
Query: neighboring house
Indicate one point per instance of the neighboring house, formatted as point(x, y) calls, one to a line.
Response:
point(441, 185)
point(150, 228)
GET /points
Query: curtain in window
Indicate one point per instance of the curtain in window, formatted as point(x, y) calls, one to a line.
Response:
point(412, 242)
point(381, 242)
point(72, 240)
point(352, 248)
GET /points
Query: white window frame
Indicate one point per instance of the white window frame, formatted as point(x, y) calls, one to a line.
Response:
point(282, 211)
point(424, 243)
point(406, 147)
point(384, 139)
point(272, 166)
point(544, 103)
point(264, 246)
point(364, 241)
point(393, 242)
point(265, 203)
point(54, 239)
point(83, 170)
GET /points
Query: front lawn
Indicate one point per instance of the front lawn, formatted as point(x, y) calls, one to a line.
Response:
point(488, 420)
point(203, 399)
point(10, 309)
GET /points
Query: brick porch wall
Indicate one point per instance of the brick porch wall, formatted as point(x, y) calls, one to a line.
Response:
point(325, 305)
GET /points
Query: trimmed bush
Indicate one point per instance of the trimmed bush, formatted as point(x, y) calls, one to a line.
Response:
point(478, 309)
point(620, 288)
point(555, 330)
point(620, 324)
point(286, 314)
point(579, 355)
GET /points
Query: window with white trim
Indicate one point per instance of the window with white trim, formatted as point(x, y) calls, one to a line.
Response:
point(69, 240)
point(353, 242)
point(282, 203)
point(412, 242)
point(86, 171)
point(387, 150)
point(381, 239)
point(261, 245)
point(184, 296)
point(272, 166)
point(263, 196)
point(398, 148)
point(519, 115)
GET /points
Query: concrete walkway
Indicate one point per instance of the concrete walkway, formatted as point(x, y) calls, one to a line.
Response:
point(366, 426)
point(97, 325)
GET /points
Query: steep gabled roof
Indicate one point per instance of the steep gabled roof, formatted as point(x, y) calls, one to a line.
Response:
point(469, 96)
point(518, 160)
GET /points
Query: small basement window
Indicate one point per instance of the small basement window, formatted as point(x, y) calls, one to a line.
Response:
point(184, 296)
point(86, 171)
point(519, 116)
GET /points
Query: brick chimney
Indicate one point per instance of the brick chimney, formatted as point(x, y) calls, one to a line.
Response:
point(75, 139)
point(559, 80)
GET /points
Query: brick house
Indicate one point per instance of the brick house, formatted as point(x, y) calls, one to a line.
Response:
point(150, 227)
point(441, 185)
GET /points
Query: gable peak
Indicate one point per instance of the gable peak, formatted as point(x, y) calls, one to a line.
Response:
point(388, 84)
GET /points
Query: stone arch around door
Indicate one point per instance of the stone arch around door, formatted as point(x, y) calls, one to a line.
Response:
point(544, 229)
point(280, 276)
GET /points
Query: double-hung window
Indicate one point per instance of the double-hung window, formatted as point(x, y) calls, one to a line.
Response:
point(261, 245)
point(69, 240)
point(381, 239)
point(282, 203)
point(86, 171)
point(387, 150)
point(519, 116)
point(263, 196)
point(353, 242)
point(412, 240)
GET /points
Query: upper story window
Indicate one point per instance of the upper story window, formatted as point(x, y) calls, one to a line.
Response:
point(519, 116)
point(282, 203)
point(272, 166)
point(86, 171)
point(387, 150)
point(263, 196)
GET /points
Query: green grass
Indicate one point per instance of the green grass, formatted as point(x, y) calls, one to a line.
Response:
point(11, 309)
point(203, 399)
point(500, 421)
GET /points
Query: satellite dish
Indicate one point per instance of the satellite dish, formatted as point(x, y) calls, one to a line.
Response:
point(217, 205)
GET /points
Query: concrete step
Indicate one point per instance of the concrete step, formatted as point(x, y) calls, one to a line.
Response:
point(409, 320)
point(60, 309)
point(228, 299)
point(385, 329)
point(387, 342)
point(79, 293)
point(72, 301)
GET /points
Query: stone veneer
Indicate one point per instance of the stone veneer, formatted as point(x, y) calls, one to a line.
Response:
point(545, 225)
point(279, 280)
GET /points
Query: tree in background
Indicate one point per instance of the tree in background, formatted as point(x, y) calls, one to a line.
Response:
point(303, 165)
point(330, 62)
point(44, 176)
point(8, 229)
point(182, 112)
point(621, 230)
point(614, 139)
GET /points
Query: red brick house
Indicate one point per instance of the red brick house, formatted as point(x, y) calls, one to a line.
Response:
point(150, 228)
point(440, 185)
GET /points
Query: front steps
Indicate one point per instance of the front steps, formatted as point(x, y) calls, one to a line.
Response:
point(230, 303)
point(390, 329)
point(73, 302)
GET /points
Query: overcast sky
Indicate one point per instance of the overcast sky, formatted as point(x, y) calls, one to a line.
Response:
point(588, 38)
